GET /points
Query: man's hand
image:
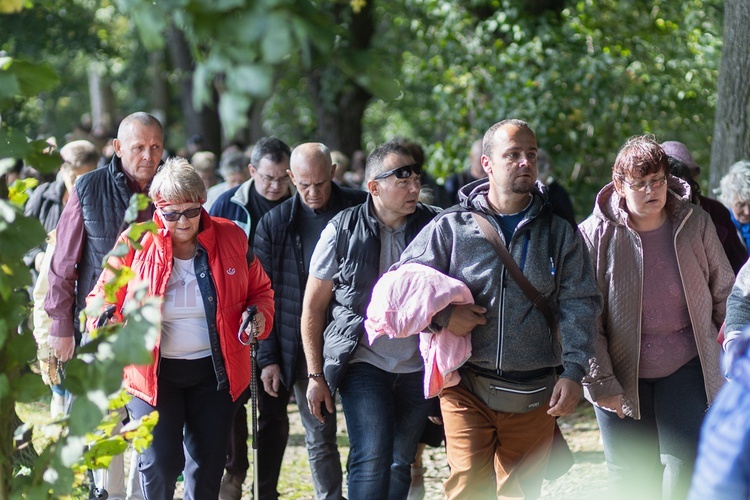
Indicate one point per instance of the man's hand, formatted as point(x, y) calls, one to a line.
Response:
point(271, 377)
point(565, 398)
point(62, 347)
point(465, 317)
point(612, 403)
point(318, 394)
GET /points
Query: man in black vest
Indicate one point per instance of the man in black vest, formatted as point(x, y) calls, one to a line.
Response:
point(88, 228)
point(284, 242)
point(380, 384)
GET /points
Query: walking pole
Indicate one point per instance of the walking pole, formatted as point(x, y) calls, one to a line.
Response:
point(96, 493)
point(252, 341)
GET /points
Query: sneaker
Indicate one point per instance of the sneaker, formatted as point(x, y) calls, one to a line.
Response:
point(231, 487)
point(57, 405)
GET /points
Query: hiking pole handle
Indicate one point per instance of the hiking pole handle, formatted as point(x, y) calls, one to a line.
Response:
point(242, 336)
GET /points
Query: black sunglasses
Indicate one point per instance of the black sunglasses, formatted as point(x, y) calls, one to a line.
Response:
point(190, 213)
point(401, 172)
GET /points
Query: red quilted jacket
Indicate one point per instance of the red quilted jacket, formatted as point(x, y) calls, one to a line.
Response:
point(238, 285)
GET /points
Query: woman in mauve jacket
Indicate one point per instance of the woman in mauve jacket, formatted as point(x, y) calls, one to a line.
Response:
point(202, 270)
point(664, 279)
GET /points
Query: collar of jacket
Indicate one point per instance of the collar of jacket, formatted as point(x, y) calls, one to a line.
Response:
point(336, 202)
point(610, 206)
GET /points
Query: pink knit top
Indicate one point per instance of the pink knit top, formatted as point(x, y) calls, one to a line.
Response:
point(667, 341)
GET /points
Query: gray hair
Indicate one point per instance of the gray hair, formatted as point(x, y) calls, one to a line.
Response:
point(141, 118)
point(735, 185)
point(204, 161)
point(233, 162)
point(177, 182)
point(77, 154)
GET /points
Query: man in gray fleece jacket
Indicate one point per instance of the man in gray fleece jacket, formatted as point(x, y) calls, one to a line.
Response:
point(497, 453)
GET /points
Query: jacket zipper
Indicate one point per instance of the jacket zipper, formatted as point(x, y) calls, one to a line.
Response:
point(639, 333)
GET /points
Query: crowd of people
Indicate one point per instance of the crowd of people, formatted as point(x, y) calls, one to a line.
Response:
point(376, 284)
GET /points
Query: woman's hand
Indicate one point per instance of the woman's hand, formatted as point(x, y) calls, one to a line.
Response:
point(257, 326)
point(611, 403)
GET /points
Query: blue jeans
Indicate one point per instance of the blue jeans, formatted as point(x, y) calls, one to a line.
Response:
point(385, 414)
point(192, 432)
point(654, 457)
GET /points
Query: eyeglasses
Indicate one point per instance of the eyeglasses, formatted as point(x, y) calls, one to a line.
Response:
point(267, 179)
point(401, 172)
point(641, 186)
point(190, 213)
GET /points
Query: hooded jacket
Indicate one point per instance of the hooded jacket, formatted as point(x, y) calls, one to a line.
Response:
point(516, 337)
point(238, 281)
point(617, 255)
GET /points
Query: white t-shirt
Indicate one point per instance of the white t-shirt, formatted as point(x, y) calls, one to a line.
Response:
point(184, 331)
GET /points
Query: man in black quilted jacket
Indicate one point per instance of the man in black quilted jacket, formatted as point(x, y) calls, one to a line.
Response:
point(284, 242)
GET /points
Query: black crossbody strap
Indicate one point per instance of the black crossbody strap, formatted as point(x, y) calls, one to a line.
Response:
point(536, 297)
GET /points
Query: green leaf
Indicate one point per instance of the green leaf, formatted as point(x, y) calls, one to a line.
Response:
point(43, 161)
point(12, 6)
point(13, 144)
point(34, 78)
point(254, 79)
point(100, 453)
point(29, 387)
point(137, 230)
point(4, 386)
point(8, 84)
point(233, 109)
point(151, 22)
point(84, 416)
point(16, 239)
point(20, 350)
point(121, 279)
point(277, 42)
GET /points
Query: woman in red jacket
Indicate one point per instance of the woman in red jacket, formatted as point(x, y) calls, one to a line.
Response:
point(207, 277)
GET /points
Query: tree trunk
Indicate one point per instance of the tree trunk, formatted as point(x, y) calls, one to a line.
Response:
point(340, 116)
point(102, 102)
point(731, 141)
point(340, 125)
point(204, 122)
point(158, 96)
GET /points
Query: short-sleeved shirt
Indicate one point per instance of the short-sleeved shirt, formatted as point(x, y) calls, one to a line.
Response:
point(394, 355)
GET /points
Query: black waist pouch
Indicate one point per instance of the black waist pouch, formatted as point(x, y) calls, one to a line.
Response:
point(507, 395)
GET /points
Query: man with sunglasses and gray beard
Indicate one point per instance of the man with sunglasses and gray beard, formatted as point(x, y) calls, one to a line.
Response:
point(380, 384)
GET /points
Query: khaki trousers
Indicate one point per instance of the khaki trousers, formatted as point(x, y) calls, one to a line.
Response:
point(493, 454)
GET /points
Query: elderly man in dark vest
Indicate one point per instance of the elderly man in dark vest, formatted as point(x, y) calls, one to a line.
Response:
point(89, 226)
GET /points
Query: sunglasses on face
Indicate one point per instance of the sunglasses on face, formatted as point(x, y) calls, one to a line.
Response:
point(190, 213)
point(401, 172)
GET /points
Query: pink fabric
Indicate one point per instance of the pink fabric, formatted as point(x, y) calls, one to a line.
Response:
point(404, 302)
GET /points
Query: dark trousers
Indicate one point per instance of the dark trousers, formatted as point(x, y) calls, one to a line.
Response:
point(654, 457)
point(273, 433)
point(191, 413)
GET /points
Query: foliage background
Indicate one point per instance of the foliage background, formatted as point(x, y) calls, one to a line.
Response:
point(586, 74)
